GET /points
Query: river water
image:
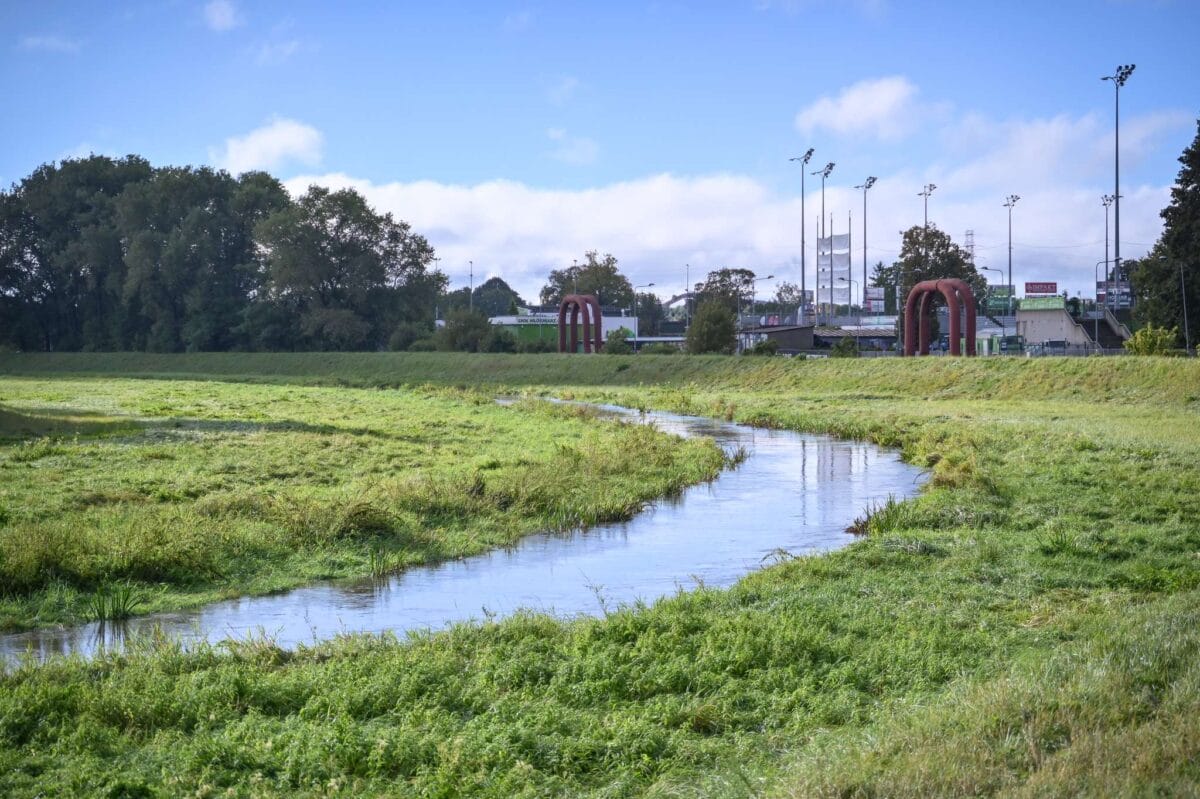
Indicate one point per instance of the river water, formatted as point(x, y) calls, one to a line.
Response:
point(794, 493)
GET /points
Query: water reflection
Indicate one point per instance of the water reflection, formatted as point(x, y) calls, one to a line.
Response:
point(794, 492)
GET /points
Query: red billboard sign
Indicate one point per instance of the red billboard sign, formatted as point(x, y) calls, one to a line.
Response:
point(1041, 288)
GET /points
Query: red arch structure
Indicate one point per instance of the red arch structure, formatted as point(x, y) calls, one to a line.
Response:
point(589, 307)
point(958, 294)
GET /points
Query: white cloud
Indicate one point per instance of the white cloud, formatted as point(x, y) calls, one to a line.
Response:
point(49, 44)
point(884, 108)
point(279, 142)
point(654, 225)
point(562, 90)
point(576, 150)
point(221, 15)
point(277, 52)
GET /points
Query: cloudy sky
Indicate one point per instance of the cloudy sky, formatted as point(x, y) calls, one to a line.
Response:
point(520, 135)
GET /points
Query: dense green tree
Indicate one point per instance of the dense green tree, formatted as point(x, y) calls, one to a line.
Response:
point(932, 255)
point(346, 271)
point(650, 313)
point(730, 287)
point(1171, 271)
point(464, 331)
point(596, 275)
point(713, 329)
point(493, 297)
point(61, 264)
point(617, 341)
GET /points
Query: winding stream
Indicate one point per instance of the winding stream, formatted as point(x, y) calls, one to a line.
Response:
point(794, 492)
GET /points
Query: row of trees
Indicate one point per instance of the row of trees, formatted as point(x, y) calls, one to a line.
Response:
point(113, 254)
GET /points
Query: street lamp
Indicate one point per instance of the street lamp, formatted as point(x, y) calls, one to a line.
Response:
point(1123, 73)
point(1107, 292)
point(824, 173)
point(1106, 201)
point(865, 186)
point(803, 159)
point(635, 313)
point(754, 290)
point(1000, 272)
point(1009, 202)
point(851, 281)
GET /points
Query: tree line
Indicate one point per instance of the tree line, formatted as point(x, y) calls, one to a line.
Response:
point(114, 254)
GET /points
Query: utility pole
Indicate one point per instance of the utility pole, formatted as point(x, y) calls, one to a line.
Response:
point(1009, 202)
point(1122, 75)
point(928, 190)
point(803, 159)
point(865, 186)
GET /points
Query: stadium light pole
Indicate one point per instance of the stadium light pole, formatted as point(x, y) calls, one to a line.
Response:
point(865, 186)
point(471, 287)
point(1118, 80)
point(1106, 201)
point(1000, 272)
point(824, 173)
point(1096, 319)
point(928, 190)
point(1009, 202)
point(803, 159)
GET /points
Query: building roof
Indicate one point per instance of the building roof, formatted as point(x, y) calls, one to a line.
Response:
point(775, 328)
point(862, 332)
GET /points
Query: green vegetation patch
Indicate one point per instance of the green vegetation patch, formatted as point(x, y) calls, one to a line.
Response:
point(183, 492)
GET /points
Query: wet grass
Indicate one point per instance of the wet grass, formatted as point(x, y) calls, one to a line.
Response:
point(215, 489)
point(1027, 626)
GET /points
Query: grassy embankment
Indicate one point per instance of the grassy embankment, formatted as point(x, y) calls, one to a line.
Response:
point(1029, 626)
point(166, 494)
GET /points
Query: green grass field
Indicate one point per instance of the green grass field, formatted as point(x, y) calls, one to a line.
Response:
point(1030, 625)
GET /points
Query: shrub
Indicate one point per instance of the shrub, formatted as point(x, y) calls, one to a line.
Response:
point(765, 347)
point(1151, 340)
point(406, 333)
point(660, 349)
point(845, 348)
point(713, 329)
point(617, 342)
point(537, 345)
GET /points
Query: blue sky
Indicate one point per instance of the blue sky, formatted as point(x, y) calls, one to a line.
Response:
point(520, 135)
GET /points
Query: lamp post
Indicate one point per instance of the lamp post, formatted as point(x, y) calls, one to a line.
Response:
point(1009, 202)
point(928, 190)
point(852, 281)
point(687, 297)
point(471, 286)
point(824, 173)
point(803, 159)
point(1122, 75)
point(1106, 201)
point(865, 186)
point(635, 313)
point(1096, 320)
point(754, 291)
point(1000, 272)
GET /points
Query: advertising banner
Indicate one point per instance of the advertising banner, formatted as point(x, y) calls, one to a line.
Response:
point(1043, 303)
point(1043, 288)
point(874, 292)
point(875, 306)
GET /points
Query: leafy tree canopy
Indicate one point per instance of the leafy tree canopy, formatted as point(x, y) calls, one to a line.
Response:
point(729, 287)
point(1171, 271)
point(596, 275)
point(713, 329)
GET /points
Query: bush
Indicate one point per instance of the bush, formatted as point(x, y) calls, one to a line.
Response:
point(537, 345)
point(765, 347)
point(845, 348)
point(616, 342)
point(498, 340)
point(423, 345)
point(1151, 340)
point(464, 331)
point(406, 333)
point(660, 349)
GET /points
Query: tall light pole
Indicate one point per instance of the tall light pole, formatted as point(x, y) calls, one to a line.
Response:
point(928, 190)
point(1009, 202)
point(1106, 201)
point(1003, 328)
point(866, 185)
point(754, 290)
point(803, 159)
point(824, 173)
point(1096, 319)
point(1122, 75)
point(471, 287)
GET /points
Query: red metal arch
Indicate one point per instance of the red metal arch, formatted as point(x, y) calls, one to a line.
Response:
point(589, 306)
point(958, 294)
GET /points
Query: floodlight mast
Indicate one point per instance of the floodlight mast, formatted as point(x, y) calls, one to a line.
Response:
point(1009, 202)
point(1118, 80)
point(865, 186)
point(803, 159)
point(928, 190)
point(824, 173)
